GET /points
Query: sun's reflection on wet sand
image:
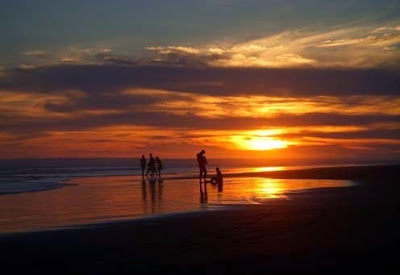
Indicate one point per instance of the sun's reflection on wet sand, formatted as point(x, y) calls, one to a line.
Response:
point(270, 189)
point(258, 190)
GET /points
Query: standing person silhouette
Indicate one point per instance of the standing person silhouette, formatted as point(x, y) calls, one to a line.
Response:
point(143, 165)
point(202, 161)
point(151, 166)
point(159, 166)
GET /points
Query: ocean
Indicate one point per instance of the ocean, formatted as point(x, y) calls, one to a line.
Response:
point(27, 175)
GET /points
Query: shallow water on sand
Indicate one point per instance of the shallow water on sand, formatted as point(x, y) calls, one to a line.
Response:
point(99, 199)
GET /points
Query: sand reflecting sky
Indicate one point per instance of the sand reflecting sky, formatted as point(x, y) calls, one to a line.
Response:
point(99, 199)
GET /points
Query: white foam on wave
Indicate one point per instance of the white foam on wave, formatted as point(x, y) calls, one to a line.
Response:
point(15, 185)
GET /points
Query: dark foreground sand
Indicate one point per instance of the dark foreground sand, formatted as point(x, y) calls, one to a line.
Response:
point(336, 230)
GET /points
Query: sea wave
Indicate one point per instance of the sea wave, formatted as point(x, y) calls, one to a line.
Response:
point(15, 185)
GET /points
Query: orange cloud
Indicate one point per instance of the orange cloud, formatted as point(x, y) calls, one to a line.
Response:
point(28, 105)
point(182, 103)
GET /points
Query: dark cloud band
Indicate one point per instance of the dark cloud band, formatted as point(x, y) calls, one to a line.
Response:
point(210, 81)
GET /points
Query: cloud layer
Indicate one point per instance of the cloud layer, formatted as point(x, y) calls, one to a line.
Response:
point(340, 48)
point(125, 109)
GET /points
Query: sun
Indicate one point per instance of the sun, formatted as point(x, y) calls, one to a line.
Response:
point(264, 143)
point(259, 143)
point(259, 140)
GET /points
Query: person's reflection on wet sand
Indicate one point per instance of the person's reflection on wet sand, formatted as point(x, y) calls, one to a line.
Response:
point(160, 189)
point(144, 196)
point(203, 198)
point(153, 194)
point(156, 193)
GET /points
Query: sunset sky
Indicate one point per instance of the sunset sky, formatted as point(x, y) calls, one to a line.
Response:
point(239, 78)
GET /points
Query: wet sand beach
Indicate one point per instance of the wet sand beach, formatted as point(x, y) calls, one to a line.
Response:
point(324, 230)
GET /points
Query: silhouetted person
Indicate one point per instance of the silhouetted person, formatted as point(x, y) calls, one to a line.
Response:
point(159, 166)
point(202, 161)
point(143, 164)
point(151, 166)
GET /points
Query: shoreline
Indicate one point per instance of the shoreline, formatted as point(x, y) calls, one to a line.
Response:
point(327, 230)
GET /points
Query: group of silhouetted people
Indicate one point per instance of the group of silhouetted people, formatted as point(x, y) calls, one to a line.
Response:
point(154, 166)
point(215, 180)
